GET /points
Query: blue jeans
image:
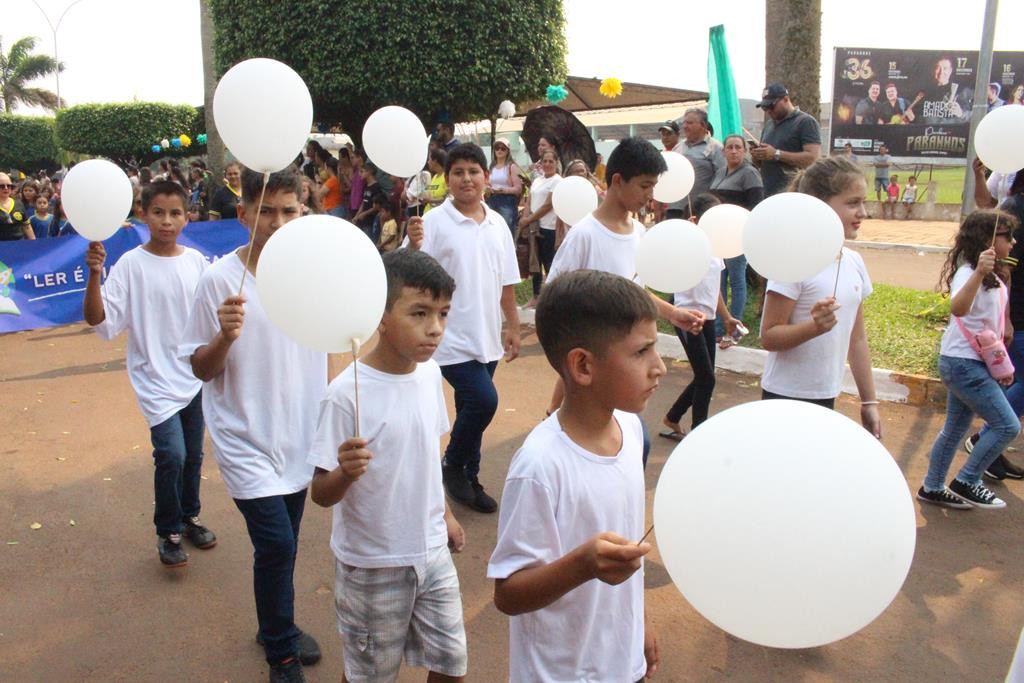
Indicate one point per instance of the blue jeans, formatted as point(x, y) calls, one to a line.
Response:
point(1015, 394)
point(508, 206)
point(178, 464)
point(476, 401)
point(734, 277)
point(338, 212)
point(971, 391)
point(273, 524)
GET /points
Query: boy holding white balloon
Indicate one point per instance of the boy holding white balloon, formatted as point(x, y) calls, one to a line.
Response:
point(574, 496)
point(261, 389)
point(473, 243)
point(149, 293)
point(396, 588)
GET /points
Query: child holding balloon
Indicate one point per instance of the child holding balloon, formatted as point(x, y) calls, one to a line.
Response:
point(978, 302)
point(811, 328)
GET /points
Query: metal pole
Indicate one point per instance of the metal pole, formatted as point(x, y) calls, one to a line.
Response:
point(53, 30)
point(980, 107)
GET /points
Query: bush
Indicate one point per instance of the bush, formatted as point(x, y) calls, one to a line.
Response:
point(27, 143)
point(125, 133)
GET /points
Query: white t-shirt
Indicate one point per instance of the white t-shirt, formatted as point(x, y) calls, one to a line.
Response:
point(815, 368)
point(984, 314)
point(151, 296)
point(591, 245)
point(261, 410)
point(393, 514)
point(557, 497)
point(540, 189)
point(481, 258)
point(704, 296)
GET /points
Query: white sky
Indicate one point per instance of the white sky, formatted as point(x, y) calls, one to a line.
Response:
point(119, 50)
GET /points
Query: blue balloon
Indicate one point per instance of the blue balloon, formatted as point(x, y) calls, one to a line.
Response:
point(176, 143)
point(156, 149)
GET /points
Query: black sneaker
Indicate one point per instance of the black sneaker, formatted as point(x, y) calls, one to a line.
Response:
point(995, 470)
point(971, 442)
point(200, 536)
point(977, 495)
point(1011, 470)
point(171, 553)
point(288, 671)
point(309, 649)
point(456, 483)
point(481, 501)
point(943, 498)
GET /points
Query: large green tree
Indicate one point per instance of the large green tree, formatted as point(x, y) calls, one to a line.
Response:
point(126, 132)
point(457, 59)
point(18, 68)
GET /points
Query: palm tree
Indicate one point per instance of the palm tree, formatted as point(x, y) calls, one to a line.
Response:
point(793, 49)
point(17, 68)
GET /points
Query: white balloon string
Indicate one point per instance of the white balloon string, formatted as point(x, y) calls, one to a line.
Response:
point(839, 263)
point(355, 376)
point(255, 220)
point(645, 535)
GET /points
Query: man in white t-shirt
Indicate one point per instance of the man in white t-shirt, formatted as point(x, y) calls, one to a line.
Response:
point(396, 589)
point(260, 399)
point(149, 292)
point(573, 505)
point(472, 242)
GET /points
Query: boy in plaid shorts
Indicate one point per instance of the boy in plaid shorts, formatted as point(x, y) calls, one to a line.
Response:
point(396, 590)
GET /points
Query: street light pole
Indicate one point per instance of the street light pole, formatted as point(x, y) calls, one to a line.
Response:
point(53, 30)
point(980, 108)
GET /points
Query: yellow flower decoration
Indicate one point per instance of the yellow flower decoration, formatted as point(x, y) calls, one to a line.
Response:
point(185, 140)
point(611, 87)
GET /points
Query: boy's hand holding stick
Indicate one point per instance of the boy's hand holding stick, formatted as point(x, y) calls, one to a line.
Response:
point(612, 558)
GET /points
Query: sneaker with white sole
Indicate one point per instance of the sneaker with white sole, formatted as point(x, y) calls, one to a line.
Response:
point(942, 498)
point(977, 495)
point(971, 442)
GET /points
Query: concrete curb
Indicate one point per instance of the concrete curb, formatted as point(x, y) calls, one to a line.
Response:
point(919, 248)
point(889, 386)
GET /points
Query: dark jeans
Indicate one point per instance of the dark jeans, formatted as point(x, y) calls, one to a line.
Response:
point(476, 401)
point(829, 403)
point(546, 254)
point(273, 524)
point(508, 206)
point(700, 351)
point(178, 464)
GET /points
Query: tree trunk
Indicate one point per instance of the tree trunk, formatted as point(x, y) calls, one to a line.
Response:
point(214, 145)
point(793, 50)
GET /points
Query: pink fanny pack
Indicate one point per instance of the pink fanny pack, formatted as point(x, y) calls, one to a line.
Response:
point(989, 345)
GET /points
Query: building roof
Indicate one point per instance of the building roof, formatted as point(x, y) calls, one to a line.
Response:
point(584, 95)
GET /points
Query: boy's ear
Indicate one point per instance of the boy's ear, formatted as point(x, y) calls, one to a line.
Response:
point(579, 366)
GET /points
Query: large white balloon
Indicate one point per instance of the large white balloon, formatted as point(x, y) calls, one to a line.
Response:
point(264, 113)
point(395, 140)
point(810, 539)
point(97, 197)
point(321, 281)
point(999, 141)
point(677, 181)
point(791, 236)
point(573, 198)
point(673, 256)
point(723, 224)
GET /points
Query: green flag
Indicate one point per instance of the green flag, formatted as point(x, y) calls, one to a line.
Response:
point(723, 106)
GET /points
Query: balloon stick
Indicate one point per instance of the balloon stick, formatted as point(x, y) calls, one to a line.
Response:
point(750, 135)
point(645, 535)
point(839, 263)
point(355, 377)
point(689, 203)
point(995, 230)
point(255, 221)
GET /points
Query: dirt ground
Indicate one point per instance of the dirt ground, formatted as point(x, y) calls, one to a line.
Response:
point(84, 597)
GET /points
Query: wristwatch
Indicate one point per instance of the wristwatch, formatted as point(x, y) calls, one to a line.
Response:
point(778, 155)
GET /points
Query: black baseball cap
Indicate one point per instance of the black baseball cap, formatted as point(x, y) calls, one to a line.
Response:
point(671, 126)
point(772, 94)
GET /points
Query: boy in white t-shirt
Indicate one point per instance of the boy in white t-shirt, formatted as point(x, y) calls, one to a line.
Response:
point(574, 497)
point(260, 399)
point(472, 243)
point(396, 590)
point(149, 292)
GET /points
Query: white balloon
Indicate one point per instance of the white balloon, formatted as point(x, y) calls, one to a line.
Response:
point(673, 256)
point(791, 236)
point(573, 198)
point(97, 197)
point(396, 141)
point(507, 109)
point(811, 539)
point(999, 141)
point(677, 181)
point(263, 113)
point(723, 224)
point(321, 281)
point(165, 143)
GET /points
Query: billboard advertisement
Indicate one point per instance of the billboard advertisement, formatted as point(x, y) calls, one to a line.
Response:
point(915, 102)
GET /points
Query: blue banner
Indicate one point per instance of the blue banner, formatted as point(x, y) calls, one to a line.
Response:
point(42, 282)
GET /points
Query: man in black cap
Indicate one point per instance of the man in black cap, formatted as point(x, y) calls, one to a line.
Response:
point(791, 140)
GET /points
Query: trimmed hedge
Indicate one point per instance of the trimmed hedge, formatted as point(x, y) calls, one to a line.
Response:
point(125, 132)
point(27, 143)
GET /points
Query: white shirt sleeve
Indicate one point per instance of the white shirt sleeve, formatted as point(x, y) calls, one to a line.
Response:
point(203, 324)
point(790, 290)
point(527, 531)
point(116, 303)
point(332, 429)
point(509, 262)
point(569, 256)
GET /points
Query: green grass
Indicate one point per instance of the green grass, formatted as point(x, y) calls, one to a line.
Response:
point(950, 182)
